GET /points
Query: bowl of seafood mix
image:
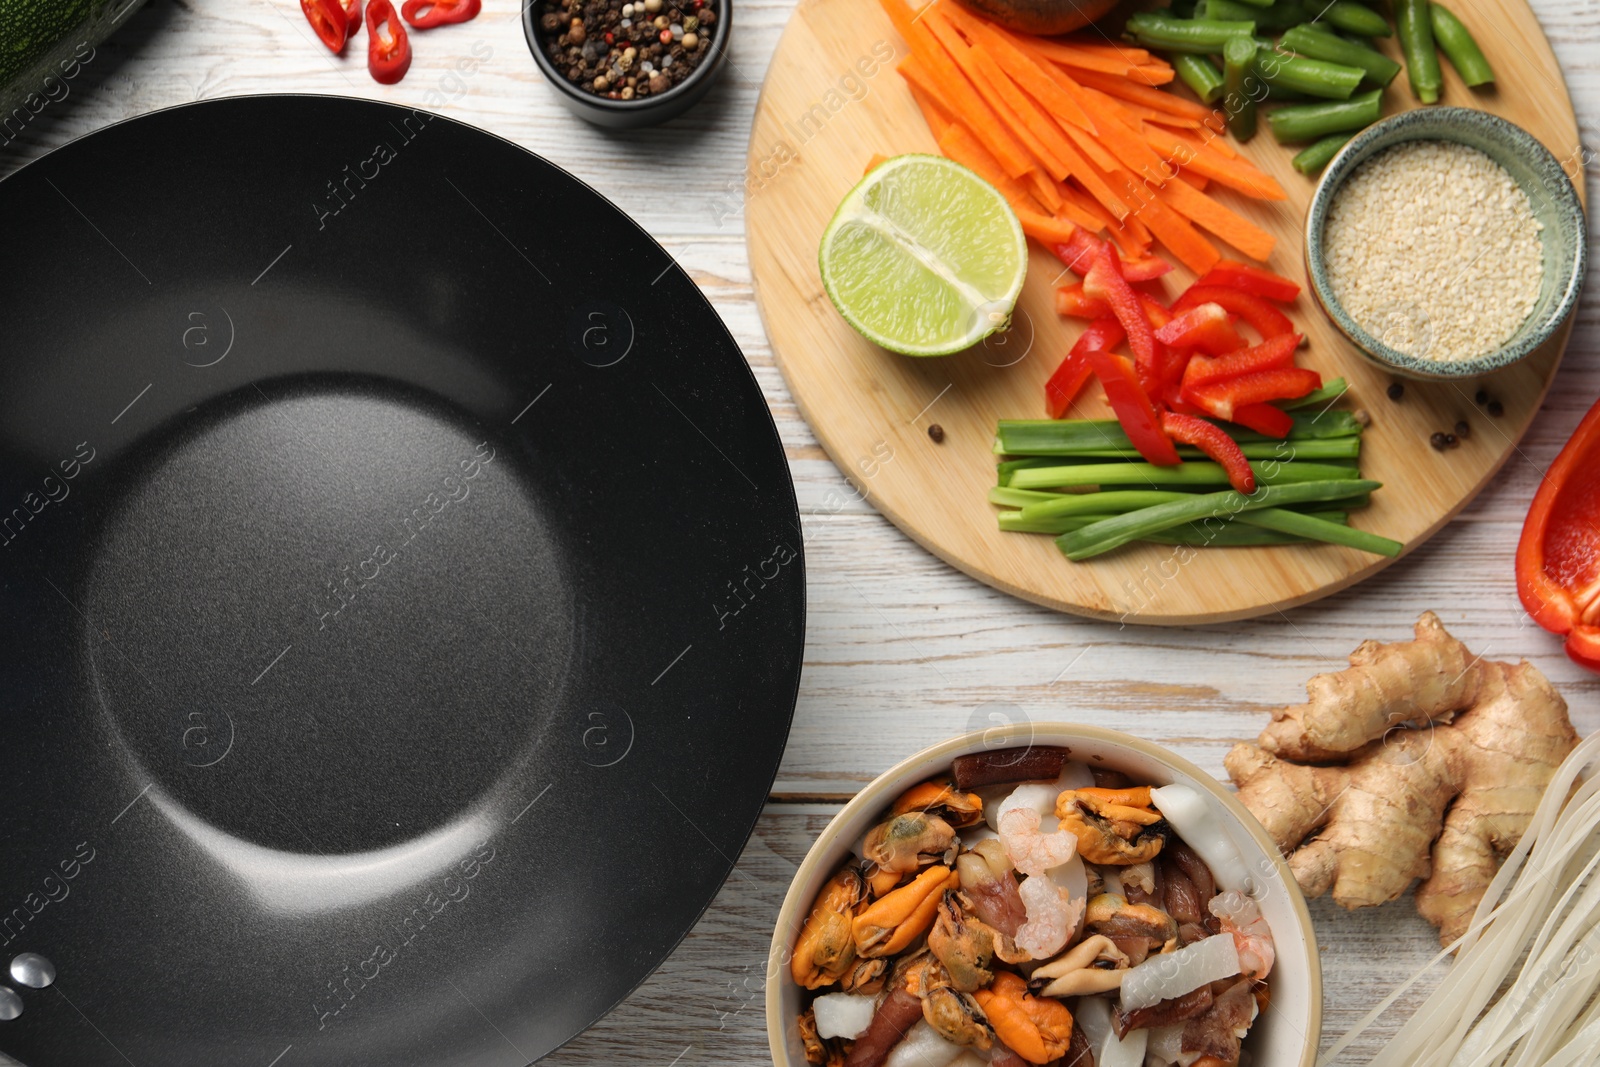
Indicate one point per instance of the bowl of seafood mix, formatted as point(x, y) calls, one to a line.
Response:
point(1035, 893)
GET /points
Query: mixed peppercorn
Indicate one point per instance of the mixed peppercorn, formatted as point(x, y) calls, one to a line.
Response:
point(626, 50)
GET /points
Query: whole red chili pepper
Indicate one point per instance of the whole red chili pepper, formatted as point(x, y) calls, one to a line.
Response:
point(388, 46)
point(1558, 557)
point(352, 14)
point(425, 14)
point(329, 20)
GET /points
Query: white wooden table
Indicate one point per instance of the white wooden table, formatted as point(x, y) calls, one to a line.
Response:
point(902, 649)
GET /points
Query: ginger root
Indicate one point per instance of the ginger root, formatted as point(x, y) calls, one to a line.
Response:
point(1417, 745)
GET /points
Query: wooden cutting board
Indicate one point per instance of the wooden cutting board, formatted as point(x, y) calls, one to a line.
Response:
point(832, 99)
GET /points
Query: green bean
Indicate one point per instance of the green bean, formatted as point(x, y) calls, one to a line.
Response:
point(1416, 43)
point(1317, 398)
point(1354, 18)
point(1240, 84)
point(1296, 123)
point(1232, 11)
point(1310, 76)
point(1280, 16)
point(1036, 438)
point(1114, 532)
point(1319, 153)
point(1199, 74)
point(1193, 473)
point(1315, 529)
point(1201, 36)
point(1183, 9)
point(1319, 44)
point(1456, 41)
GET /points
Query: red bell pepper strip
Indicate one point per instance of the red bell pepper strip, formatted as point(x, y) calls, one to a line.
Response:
point(1206, 327)
point(1105, 282)
point(1257, 280)
point(1133, 408)
point(388, 44)
point(1264, 418)
point(1079, 251)
point(1558, 556)
point(1065, 384)
point(1265, 319)
point(1211, 440)
point(1271, 354)
point(328, 19)
point(1155, 311)
point(1145, 268)
point(1285, 383)
point(352, 17)
point(1071, 302)
point(425, 14)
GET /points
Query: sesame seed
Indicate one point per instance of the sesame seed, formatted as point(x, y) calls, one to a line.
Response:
point(1406, 265)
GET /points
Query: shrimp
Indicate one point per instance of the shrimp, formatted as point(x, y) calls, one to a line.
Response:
point(1241, 916)
point(1053, 916)
point(1031, 851)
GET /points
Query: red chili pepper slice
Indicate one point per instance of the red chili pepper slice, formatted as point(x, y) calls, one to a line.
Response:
point(352, 17)
point(328, 19)
point(1285, 383)
point(1105, 282)
point(1251, 279)
point(425, 14)
point(1265, 319)
point(1264, 418)
point(1211, 440)
point(1206, 327)
point(388, 44)
point(1558, 556)
point(1133, 408)
point(1271, 354)
point(1068, 380)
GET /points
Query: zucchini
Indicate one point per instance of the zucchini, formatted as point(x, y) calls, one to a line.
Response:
point(44, 45)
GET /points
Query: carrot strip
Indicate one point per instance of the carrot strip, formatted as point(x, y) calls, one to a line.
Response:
point(1046, 230)
point(934, 113)
point(1030, 126)
point(1130, 54)
point(1092, 178)
point(1199, 141)
point(1151, 74)
point(1045, 191)
point(1234, 173)
point(937, 76)
point(1199, 181)
point(959, 144)
point(1092, 148)
point(1009, 52)
point(877, 159)
point(1143, 94)
point(1075, 211)
point(1187, 244)
point(1068, 55)
point(1120, 133)
point(1150, 114)
point(1221, 220)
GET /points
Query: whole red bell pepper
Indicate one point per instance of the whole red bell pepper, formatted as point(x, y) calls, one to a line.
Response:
point(1105, 282)
point(1221, 398)
point(1558, 557)
point(388, 44)
point(1257, 280)
point(1265, 319)
point(1133, 408)
point(1102, 335)
point(329, 21)
point(1211, 440)
point(1206, 328)
point(425, 14)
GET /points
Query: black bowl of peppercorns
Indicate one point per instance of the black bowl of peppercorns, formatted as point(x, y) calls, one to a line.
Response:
point(628, 63)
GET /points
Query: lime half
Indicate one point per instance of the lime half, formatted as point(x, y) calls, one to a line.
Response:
point(924, 257)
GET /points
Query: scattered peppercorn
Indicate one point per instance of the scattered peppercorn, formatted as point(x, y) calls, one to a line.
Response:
point(1482, 397)
point(936, 432)
point(1462, 429)
point(1494, 409)
point(1396, 390)
point(1361, 417)
point(626, 50)
point(1450, 440)
point(1439, 442)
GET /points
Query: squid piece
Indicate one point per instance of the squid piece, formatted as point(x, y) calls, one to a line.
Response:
point(1039, 1031)
point(938, 797)
point(825, 950)
point(892, 922)
point(1116, 827)
point(907, 842)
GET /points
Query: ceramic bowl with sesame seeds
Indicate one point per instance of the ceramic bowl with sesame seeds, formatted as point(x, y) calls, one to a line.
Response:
point(1446, 243)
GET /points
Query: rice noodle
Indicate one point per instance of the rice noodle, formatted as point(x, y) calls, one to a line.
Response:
point(1538, 929)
